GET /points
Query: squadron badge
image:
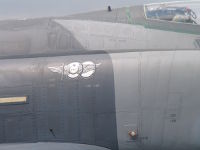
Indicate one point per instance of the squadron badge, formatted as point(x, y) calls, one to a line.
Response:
point(73, 70)
point(88, 69)
point(76, 69)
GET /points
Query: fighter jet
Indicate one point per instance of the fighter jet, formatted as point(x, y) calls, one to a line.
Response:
point(114, 79)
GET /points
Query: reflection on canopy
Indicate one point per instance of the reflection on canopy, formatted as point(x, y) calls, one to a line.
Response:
point(184, 12)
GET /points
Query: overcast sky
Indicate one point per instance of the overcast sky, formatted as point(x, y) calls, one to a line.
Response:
point(41, 8)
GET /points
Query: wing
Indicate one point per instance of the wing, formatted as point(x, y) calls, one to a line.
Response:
point(49, 146)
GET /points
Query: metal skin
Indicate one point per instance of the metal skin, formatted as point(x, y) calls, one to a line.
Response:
point(100, 81)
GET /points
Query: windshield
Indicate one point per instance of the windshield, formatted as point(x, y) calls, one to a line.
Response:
point(182, 12)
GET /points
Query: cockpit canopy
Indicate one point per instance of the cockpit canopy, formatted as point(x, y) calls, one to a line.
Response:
point(182, 12)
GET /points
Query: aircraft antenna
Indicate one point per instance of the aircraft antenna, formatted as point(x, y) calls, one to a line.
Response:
point(109, 9)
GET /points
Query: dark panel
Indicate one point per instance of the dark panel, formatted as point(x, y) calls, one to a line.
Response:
point(59, 108)
point(12, 129)
point(19, 128)
point(87, 130)
point(105, 130)
point(85, 107)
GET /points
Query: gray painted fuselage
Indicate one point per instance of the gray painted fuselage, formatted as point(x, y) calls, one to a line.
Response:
point(146, 79)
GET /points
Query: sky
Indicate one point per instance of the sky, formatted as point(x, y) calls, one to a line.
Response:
point(20, 9)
